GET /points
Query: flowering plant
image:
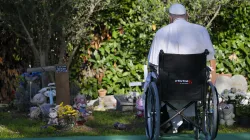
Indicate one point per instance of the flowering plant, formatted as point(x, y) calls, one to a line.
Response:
point(234, 94)
point(241, 99)
point(67, 113)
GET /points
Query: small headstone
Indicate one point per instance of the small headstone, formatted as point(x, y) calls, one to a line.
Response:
point(239, 82)
point(222, 83)
point(107, 102)
point(123, 104)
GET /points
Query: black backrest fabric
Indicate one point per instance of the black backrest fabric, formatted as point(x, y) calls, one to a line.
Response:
point(182, 76)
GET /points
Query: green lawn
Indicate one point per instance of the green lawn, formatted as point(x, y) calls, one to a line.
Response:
point(13, 125)
point(101, 123)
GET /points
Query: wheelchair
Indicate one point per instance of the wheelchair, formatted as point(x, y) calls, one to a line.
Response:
point(182, 77)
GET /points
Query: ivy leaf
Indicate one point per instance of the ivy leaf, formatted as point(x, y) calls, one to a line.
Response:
point(115, 34)
point(110, 89)
point(97, 56)
point(127, 81)
point(101, 50)
point(248, 60)
point(121, 61)
point(91, 60)
point(115, 78)
point(125, 74)
point(107, 49)
point(228, 64)
point(242, 48)
point(121, 91)
point(113, 70)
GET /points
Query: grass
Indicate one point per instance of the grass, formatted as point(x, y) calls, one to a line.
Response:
point(233, 129)
point(13, 125)
point(18, 125)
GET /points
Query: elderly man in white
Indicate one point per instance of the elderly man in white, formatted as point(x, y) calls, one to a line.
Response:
point(181, 37)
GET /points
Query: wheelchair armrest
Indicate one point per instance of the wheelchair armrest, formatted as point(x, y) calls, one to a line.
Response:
point(208, 69)
point(153, 68)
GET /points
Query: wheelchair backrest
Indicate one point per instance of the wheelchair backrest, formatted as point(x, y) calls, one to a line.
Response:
point(182, 76)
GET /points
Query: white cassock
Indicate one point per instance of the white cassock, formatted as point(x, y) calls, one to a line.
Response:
point(180, 37)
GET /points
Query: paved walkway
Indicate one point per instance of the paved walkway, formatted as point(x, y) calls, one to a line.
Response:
point(239, 136)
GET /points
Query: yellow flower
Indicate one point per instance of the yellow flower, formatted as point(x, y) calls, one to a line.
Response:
point(61, 104)
point(154, 27)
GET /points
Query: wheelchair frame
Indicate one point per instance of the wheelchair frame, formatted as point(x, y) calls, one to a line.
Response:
point(206, 110)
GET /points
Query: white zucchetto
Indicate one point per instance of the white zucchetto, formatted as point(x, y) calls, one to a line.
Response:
point(177, 9)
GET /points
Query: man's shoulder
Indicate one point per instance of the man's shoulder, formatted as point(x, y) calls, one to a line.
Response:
point(163, 30)
point(198, 26)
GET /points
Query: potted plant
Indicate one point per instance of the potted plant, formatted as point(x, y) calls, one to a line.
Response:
point(99, 76)
point(102, 92)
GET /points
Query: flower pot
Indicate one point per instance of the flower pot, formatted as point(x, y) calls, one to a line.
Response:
point(102, 92)
point(244, 121)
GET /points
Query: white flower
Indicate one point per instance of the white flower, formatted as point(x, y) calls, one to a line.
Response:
point(244, 102)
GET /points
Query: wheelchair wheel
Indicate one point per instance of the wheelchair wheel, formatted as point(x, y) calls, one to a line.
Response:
point(210, 118)
point(152, 112)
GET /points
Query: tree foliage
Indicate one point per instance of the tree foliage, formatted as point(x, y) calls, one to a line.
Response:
point(13, 55)
point(49, 25)
point(119, 48)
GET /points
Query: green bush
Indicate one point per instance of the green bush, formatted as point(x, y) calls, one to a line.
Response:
point(126, 32)
point(231, 37)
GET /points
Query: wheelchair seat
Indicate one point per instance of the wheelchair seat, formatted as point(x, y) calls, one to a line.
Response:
point(182, 77)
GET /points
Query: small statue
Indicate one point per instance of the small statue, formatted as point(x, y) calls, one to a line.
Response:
point(42, 106)
point(231, 96)
point(80, 103)
point(227, 115)
point(53, 120)
point(39, 99)
point(224, 95)
point(35, 112)
point(80, 98)
point(82, 109)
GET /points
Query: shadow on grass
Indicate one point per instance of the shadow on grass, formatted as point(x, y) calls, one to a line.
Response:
point(103, 123)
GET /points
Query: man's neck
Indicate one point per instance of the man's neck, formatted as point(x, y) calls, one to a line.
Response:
point(177, 19)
